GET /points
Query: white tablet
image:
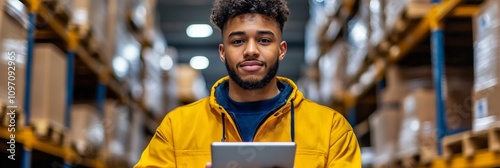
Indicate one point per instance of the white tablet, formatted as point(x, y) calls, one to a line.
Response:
point(253, 154)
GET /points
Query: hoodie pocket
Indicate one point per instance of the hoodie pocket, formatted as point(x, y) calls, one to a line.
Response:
point(310, 159)
point(192, 158)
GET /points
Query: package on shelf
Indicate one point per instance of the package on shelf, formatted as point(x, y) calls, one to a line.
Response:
point(191, 84)
point(332, 6)
point(395, 89)
point(330, 32)
point(384, 128)
point(170, 87)
point(89, 18)
point(115, 27)
point(417, 8)
point(48, 89)
point(16, 9)
point(357, 44)
point(117, 134)
point(486, 62)
point(127, 64)
point(142, 15)
point(312, 48)
point(137, 134)
point(377, 31)
point(87, 131)
point(153, 83)
point(13, 118)
point(393, 10)
point(13, 36)
point(418, 127)
point(309, 83)
point(459, 83)
point(331, 72)
point(398, 10)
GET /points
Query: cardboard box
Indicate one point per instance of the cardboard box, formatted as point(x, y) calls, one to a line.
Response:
point(87, 132)
point(458, 98)
point(115, 26)
point(331, 72)
point(418, 127)
point(13, 36)
point(376, 17)
point(48, 89)
point(384, 127)
point(486, 63)
point(357, 44)
point(191, 84)
point(89, 17)
point(153, 83)
point(117, 128)
point(137, 141)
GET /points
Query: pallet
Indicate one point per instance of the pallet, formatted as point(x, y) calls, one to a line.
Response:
point(48, 131)
point(5, 118)
point(469, 143)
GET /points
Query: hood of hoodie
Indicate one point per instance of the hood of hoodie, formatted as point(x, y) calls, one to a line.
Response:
point(296, 96)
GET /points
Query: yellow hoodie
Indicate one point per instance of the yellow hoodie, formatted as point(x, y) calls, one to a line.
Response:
point(323, 136)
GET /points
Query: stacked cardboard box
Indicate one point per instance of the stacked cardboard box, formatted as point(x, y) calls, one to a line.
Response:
point(87, 132)
point(486, 63)
point(409, 91)
point(117, 119)
point(331, 71)
point(48, 89)
point(153, 83)
point(137, 136)
point(89, 18)
point(357, 44)
point(385, 122)
point(377, 32)
point(384, 128)
point(13, 36)
point(192, 87)
point(418, 127)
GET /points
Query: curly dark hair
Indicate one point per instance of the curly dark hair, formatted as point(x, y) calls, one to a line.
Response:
point(224, 10)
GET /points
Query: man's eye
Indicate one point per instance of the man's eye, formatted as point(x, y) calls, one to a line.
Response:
point(237, 41)
point(264, 40)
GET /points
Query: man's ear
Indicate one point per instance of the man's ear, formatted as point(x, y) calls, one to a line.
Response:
point(283, 48)
point(222, 53)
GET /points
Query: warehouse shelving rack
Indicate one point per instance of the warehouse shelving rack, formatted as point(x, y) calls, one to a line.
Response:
point(75, 50)
point(430, 27)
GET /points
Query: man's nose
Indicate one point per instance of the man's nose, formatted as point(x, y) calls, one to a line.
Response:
point(252, 49)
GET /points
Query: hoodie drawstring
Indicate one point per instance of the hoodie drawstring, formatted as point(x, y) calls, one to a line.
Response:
point(223, 127)
point(292, 125)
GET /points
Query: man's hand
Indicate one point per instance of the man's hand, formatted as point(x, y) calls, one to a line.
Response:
point(208, 165)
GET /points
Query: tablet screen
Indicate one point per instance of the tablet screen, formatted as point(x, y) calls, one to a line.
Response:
point(253, 154)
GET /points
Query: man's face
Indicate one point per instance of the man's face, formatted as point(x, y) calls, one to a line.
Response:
point(252, 49)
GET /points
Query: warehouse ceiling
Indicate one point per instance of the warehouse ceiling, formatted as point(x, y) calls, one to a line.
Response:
point(177, 15)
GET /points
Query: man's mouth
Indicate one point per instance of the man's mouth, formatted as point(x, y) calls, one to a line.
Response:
point(251, 65)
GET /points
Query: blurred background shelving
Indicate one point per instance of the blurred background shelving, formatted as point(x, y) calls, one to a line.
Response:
point(417, 79)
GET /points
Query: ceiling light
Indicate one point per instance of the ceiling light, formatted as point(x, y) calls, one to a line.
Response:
point(166, 63)
point(120, 66)
point(131, 52)
point(199, 62)
point(199, 30)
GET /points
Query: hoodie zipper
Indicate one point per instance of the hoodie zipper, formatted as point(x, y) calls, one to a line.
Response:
point(230, 118)
point(267, 119)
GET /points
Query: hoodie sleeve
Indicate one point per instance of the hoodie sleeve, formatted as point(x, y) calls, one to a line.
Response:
point(160, 151)
point(344, 147)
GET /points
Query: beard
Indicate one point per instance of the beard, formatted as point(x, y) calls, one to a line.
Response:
point(253, 84)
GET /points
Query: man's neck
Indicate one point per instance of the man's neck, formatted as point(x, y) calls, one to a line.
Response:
point(239, 94)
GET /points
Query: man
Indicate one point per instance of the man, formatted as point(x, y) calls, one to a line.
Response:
point(252, 104)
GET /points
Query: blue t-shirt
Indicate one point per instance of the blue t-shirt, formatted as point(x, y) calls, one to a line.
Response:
point(248, 116)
